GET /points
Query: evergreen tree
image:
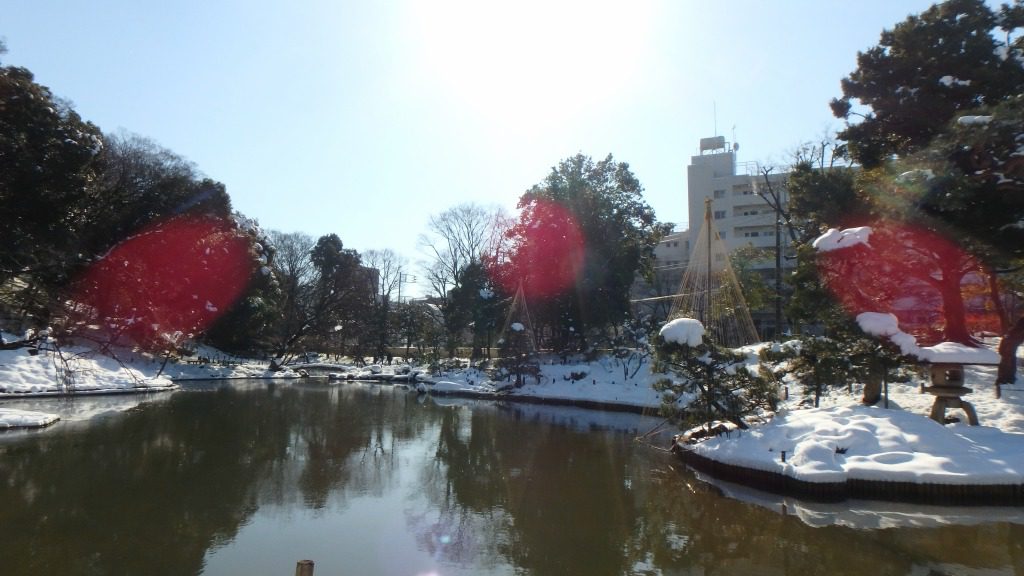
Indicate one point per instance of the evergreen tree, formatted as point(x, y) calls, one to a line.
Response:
point(924, 72)
point(588, 227)
point(47, 165)
point(326, 293)
point(717, 381)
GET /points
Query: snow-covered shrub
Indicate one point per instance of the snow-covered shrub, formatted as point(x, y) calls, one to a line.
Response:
point(724, 388)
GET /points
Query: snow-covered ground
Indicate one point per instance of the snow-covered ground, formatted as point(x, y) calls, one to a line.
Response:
point(605, 381)
point(26, 376)
point(843, 440)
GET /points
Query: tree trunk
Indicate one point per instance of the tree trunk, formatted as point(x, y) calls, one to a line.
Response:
point(954, 312)
point(997, 302)
point(1012, 339)
point(872, 390)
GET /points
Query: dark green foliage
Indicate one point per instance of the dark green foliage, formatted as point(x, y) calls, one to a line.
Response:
point(248, 327)
point(619, 231)
point(811, 303)
point(717, 378)
point(474, 303)
point(756, 291)
point(924, 72)
point(142, 182)
point(340, 292)
point(518, 358)
point(975, 185)
point(68, 195)
point(901, 79)
point(822, 364)
point(821, 197)
point(47, 164)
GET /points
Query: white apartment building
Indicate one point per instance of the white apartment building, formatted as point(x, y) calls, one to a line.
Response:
point(670, 258)
point(743, 218)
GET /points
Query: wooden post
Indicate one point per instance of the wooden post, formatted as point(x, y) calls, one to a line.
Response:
point(304, 568)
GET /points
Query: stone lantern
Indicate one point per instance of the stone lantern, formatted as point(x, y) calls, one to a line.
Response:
point(948, 389)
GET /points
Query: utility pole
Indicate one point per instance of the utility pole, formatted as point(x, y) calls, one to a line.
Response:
point(778, 268)
point(707, 297)
point(407, 278)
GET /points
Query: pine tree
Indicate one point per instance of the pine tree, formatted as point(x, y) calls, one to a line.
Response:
point(716, 379)
point(924, 72)
point(582, 236)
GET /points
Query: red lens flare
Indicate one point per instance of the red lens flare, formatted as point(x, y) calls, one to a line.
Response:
point(169, 282)
point(550, 254)
point(914, 273)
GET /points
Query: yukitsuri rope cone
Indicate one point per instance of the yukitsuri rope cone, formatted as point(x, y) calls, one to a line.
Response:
point(711, 293)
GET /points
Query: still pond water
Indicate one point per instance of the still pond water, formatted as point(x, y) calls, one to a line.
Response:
point(249, 478)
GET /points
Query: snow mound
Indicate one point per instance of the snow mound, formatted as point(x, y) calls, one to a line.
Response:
point(884, 325)
point(683, 331)
point(836, 239)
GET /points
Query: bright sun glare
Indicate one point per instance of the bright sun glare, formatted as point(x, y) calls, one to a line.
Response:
point(527, 63)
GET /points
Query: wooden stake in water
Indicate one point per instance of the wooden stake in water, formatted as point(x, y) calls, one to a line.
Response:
point(304, 568)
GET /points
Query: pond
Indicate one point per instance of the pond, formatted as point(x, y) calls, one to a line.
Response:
point(249, 478)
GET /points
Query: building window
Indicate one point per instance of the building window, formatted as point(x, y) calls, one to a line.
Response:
point(721, 234)
point(719, 214)
point(754, 234)
point(719, 194)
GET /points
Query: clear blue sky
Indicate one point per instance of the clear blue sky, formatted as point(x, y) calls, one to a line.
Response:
point(363, 118)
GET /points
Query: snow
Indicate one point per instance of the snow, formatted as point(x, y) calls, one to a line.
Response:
point(950, 81)
point(842, 443)
point(915, 175)
point(13, 418)
point(604, 381)
point(973, 120)
point(956, 353)
point(22, 374)
point(25, 378)
point(885, 325)
point(685, 331)
point(835, 239)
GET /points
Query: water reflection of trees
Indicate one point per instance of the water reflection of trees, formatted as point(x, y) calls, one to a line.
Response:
point(688, 527)
point(153, 490)
point(550, 500)
point(149, 492)
point(543, 498)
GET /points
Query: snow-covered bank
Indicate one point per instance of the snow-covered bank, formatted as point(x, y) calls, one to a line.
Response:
point(838, 444)
point(602, 382)
point(843, 443)
point(24, 374)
